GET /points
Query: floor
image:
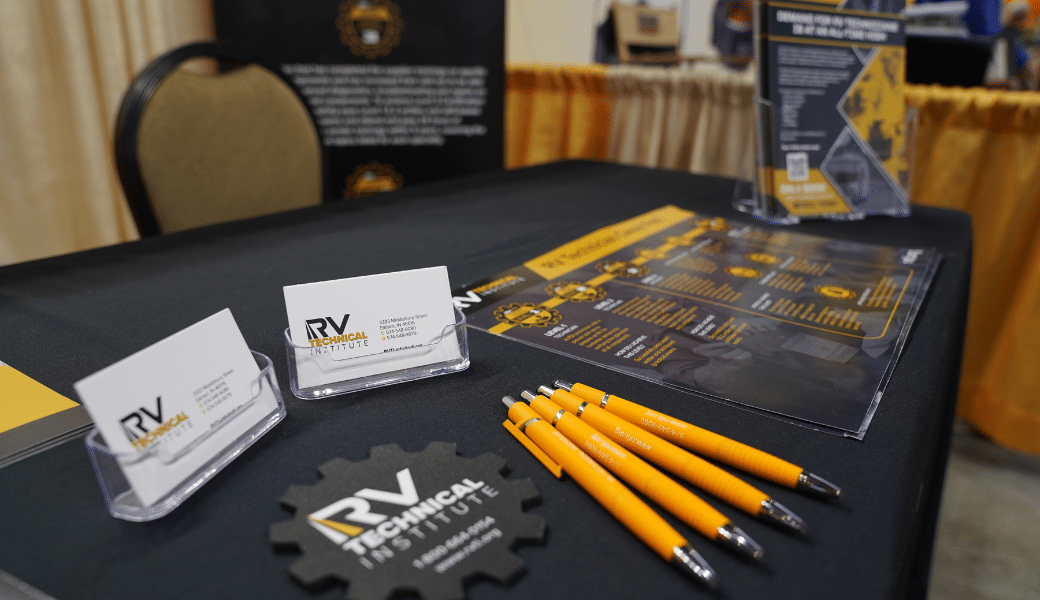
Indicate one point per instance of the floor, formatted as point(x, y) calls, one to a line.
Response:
point(988, 542)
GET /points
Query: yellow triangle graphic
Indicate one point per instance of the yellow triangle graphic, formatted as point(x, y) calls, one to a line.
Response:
point(340, 527)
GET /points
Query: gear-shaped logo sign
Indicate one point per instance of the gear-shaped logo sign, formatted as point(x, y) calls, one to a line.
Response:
point(370, 28)
point(527, 315)
point(419, 522)
point(576, 291)
point(620, 268)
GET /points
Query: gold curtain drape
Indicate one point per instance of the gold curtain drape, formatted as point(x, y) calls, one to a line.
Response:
point(978, 151)
point(698, 120)
point(975, 150)
point(555, 113)
point(64, 66)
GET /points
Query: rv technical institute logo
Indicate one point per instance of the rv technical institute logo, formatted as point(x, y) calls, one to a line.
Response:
point(370, 28)
point(327, 334)
point(420, 522)
point(143, 427)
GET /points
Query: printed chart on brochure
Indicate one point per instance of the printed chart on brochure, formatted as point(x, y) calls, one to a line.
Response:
point(799, 326)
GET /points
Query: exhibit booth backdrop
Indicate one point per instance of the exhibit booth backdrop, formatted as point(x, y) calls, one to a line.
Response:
point(403, 91)
point(65, 66)
point(979, 151)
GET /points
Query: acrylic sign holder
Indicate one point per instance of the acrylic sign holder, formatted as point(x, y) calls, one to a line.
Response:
point(347, 370)
point(123, 502)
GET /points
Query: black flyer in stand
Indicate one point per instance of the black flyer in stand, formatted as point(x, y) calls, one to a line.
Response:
point(832, 139)
point(803, 327)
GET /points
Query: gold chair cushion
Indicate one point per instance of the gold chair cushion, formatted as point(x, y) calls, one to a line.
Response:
point(220, 148)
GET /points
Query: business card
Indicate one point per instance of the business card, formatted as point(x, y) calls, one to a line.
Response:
point(173, 406)
point(350, 328)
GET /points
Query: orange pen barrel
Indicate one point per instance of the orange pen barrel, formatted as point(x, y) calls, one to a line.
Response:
point(666, 455)
point(621, 502)
point(691, 437)
point(647, 480)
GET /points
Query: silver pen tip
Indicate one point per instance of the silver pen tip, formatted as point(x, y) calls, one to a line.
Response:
point(526, 395)
point(780, 514)
point(563, 385)
point(508, 400)
point(545, 390)
point(818, 485)
point(735, 538)
point(694, 565)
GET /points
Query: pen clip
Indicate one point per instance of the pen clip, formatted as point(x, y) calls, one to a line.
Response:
point(533, 448)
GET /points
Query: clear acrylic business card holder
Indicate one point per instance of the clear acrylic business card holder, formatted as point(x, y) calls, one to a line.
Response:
point(122, 499)
point(378, 369)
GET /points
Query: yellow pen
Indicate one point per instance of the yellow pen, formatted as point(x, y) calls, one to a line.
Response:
point(707, 443)
point(610, 493)
point(646, 480)
point(670, 457)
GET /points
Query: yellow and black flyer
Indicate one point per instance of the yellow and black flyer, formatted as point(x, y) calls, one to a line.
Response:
point(831, 109)
point(800, 326)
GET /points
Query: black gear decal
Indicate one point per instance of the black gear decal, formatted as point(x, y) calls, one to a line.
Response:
point(408, 521)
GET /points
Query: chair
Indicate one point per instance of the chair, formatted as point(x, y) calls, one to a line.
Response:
point(646, 35)
point(194, 149)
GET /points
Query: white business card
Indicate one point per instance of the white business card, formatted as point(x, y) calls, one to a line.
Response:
point(361, 326)
point(192, 388)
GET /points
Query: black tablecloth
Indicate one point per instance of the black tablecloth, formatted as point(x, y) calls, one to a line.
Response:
point(64, 318)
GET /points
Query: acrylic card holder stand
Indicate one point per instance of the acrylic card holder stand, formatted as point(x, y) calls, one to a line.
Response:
point(122, 500)
point(757, 201)
point(838, 147)
point(347, 371)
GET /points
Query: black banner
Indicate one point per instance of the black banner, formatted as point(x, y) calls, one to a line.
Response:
point(403, 90)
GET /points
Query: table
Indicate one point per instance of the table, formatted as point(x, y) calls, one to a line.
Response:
point(69, 316)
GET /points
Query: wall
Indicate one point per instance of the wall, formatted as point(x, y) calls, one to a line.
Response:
point(554, 31)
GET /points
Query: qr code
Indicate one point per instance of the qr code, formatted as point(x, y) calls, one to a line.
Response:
point(797, 166)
